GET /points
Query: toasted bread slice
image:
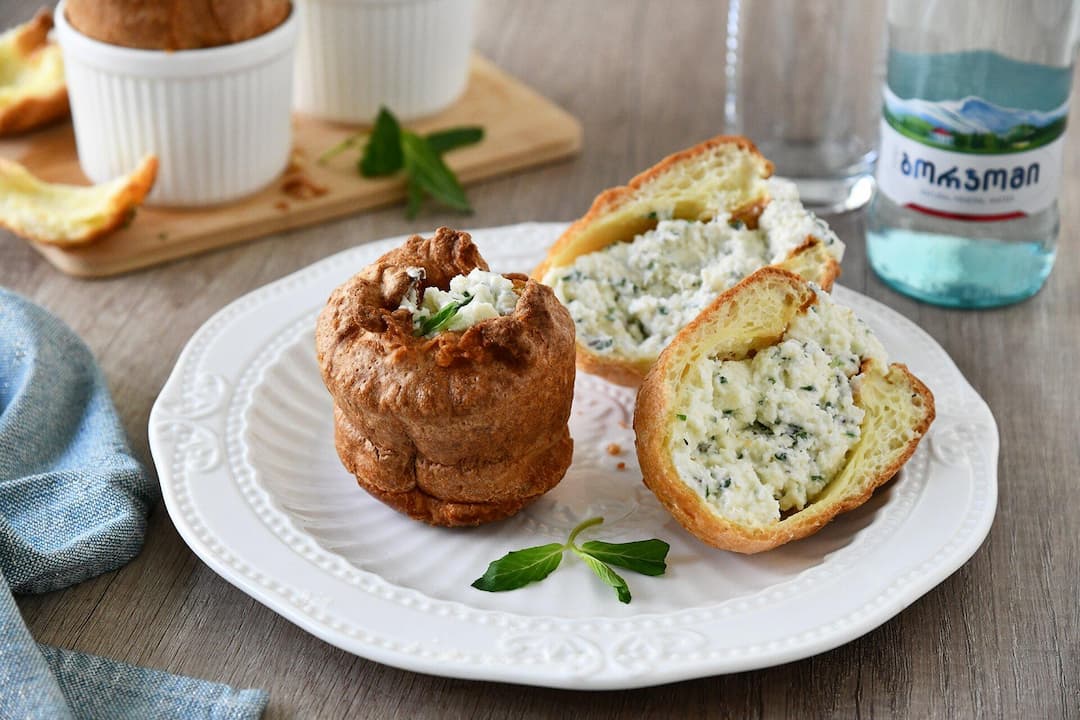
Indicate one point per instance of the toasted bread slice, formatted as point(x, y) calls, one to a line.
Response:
point(32, 87)
point(773, 412)
point(57, 214)
point(709, 205)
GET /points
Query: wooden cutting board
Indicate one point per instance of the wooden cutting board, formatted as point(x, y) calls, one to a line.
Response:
point(522, 129)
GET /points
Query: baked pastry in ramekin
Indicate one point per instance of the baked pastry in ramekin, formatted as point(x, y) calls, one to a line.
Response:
point(452, 385)
point(218, 118)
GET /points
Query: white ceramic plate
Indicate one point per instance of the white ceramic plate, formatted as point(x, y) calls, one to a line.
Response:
point(242, 438)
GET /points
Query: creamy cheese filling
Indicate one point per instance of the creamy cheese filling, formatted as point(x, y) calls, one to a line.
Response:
point(480, 295)
point(631, 298)
point(764, 435)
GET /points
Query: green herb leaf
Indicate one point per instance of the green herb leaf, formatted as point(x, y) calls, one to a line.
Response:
point(519, 568)
point(415, 196)
point(606, 574)
point(760, 427)
point(383, 152)
point(388, 149)
point(680, 416)
point(430, 173)
point(585, 525)
point(647, 557)
point(522, 567)
point(443, 141)
point(346, 144)
point(442, 318)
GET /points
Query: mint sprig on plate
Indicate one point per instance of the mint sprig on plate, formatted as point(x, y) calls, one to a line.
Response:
point(520, 567)
point(389, 149)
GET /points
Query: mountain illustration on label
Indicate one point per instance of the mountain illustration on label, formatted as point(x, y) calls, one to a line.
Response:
point(972, 124)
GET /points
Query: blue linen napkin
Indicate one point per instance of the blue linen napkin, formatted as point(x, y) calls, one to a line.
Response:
point(73, 505)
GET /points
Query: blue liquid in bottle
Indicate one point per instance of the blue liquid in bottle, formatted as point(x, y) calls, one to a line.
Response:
point(947, 226)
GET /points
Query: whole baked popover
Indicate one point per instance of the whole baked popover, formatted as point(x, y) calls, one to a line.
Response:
point(452, 385)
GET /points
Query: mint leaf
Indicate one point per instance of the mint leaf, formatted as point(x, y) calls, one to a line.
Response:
point(388, 150)
point(584, 525)
point(443, 141)
point(383, 152)
point(643, 556)
point(415, 195)
point(346, 144)
point(442, 318)
point(520, 567)
point(425, 166)
point(606, 574)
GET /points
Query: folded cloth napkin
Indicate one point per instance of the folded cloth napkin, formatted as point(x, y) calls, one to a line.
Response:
point(73, 504)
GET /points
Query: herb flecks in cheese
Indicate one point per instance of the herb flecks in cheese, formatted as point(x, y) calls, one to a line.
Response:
point(631, 298)
point(767, 434)
point(480, 295)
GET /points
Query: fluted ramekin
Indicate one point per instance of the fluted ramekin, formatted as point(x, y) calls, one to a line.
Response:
point(217, 118)
point(354, 55)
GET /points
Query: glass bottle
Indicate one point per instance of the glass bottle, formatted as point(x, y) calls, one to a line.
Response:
point(972, 146)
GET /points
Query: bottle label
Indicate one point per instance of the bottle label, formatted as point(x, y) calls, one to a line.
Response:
point(970, 159)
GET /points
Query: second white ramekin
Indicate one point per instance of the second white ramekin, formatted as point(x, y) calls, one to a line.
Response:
point(354, 55)
point(218, 118)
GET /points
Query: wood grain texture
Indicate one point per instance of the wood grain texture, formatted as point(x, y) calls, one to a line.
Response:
point(1000, 638)
point(522, 129)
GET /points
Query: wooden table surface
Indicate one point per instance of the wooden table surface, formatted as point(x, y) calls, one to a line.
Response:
point(1000, 638)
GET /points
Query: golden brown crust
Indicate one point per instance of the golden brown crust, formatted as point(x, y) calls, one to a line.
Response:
point(33, 109)
point(621, 372)
point(825, 269)
point(655, 409)
point(462, 428)
point(613, 198)
point(117, 210)
point(32, 35)
point(175, 24)
point(582, 237)
point(453, 495)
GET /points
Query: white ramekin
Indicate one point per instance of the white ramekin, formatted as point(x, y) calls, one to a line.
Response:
point(218, 118)
point(354, 55)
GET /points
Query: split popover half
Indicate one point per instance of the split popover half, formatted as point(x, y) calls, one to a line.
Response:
point(452, 385)
point(774, 411)
point(33, 91)
point(650, 255)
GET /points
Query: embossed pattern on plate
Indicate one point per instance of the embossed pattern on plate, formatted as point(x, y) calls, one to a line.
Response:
point(243, 441)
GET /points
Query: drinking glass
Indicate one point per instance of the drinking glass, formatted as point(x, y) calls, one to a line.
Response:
point(804, 83)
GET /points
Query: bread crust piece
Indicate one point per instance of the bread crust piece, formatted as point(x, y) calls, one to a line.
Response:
point(30, 208)
point(621, 213)
point(890, 396)
point(29, 44)
point(175, 24)
point(460, 429)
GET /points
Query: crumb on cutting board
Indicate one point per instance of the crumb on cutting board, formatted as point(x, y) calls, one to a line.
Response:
point(296, 162)
point(614, 449)
point(301, 187)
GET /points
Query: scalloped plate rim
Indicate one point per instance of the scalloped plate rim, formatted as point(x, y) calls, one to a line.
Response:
point(163, 449)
